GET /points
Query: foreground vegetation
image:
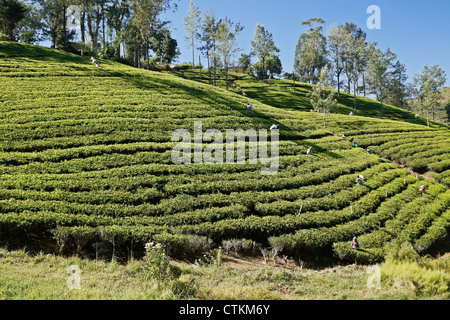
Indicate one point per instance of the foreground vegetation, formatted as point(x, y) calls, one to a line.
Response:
point(45, 276)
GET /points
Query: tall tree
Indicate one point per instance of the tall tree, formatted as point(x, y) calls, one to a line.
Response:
point(338, 39)
point(94, 15)
point(274, 66)
point(352, 52)
point(147, 18)
point(245, 62)
point(227, 44)
point(311, 51)
point(11, 13)
point(380, 74)
point(322, 98)
point(366, 54)
point(428, 84)
point(30, 28)
point(164, 46)
point(263, 47)
point(209, 30)
point(54, 19)
point(117, 13)
point(447, 110)
point(133, 42)
point(357, 58)
point(192, 24)
point(398, 88)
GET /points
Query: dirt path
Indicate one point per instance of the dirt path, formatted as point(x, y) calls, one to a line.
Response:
point(252, 263)
point(427, 175)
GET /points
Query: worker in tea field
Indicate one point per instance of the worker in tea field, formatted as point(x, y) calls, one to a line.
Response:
point(309, 151)
point(355, 143)
point(273, 127)
point(250, 107)
point(344, 137)
point(93, 60)
point(422, 189)
point(355, 244)
point(369, 151)
point(359, 179)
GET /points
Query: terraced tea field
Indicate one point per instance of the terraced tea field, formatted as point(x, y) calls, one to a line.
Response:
point(85, 156)
point(419, 148)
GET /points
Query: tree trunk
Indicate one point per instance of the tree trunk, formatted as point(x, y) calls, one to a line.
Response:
point(65, 27)
point(214, 61)
point(138, 56)
point(209, 66)
point(93, 33)
point(83, 30)
point(339, 85)
point(103, 29)
point(364, 82)
point(226, 76)
point(263, 70)
point(354, 96)
point(11, 33)
point(200, 67)
point(193, 54)
point(215, 70)
point(147, 55)
point(117, 50)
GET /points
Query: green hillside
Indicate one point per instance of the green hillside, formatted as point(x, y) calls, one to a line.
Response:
point(421, 149)
point(85, 156)
point(282, 94)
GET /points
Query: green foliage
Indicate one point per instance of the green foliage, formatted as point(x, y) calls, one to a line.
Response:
point(158, 265)
point(310, 52)
point(404, 269)
point(322, 99)
point(3, 37)
point(403, 252)
point(80, 167)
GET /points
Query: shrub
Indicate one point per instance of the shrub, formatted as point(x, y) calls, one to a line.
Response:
point(401, 253)
point(183, 66)
point(158, 265)
point(3, 37)
point(197, 245)
point(421, 280)
point(241, 246)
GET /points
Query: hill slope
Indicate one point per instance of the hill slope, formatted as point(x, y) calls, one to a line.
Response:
point(85, 156)
point(282, 93)
point(425, 151)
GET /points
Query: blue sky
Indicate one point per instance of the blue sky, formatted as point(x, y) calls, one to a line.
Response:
point(418, 31)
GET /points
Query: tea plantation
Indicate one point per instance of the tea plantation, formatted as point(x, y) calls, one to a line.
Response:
point(85, 157)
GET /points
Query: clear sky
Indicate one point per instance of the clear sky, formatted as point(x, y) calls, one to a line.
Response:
point(418, 31)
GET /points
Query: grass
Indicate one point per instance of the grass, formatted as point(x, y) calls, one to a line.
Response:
point(44, 276)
